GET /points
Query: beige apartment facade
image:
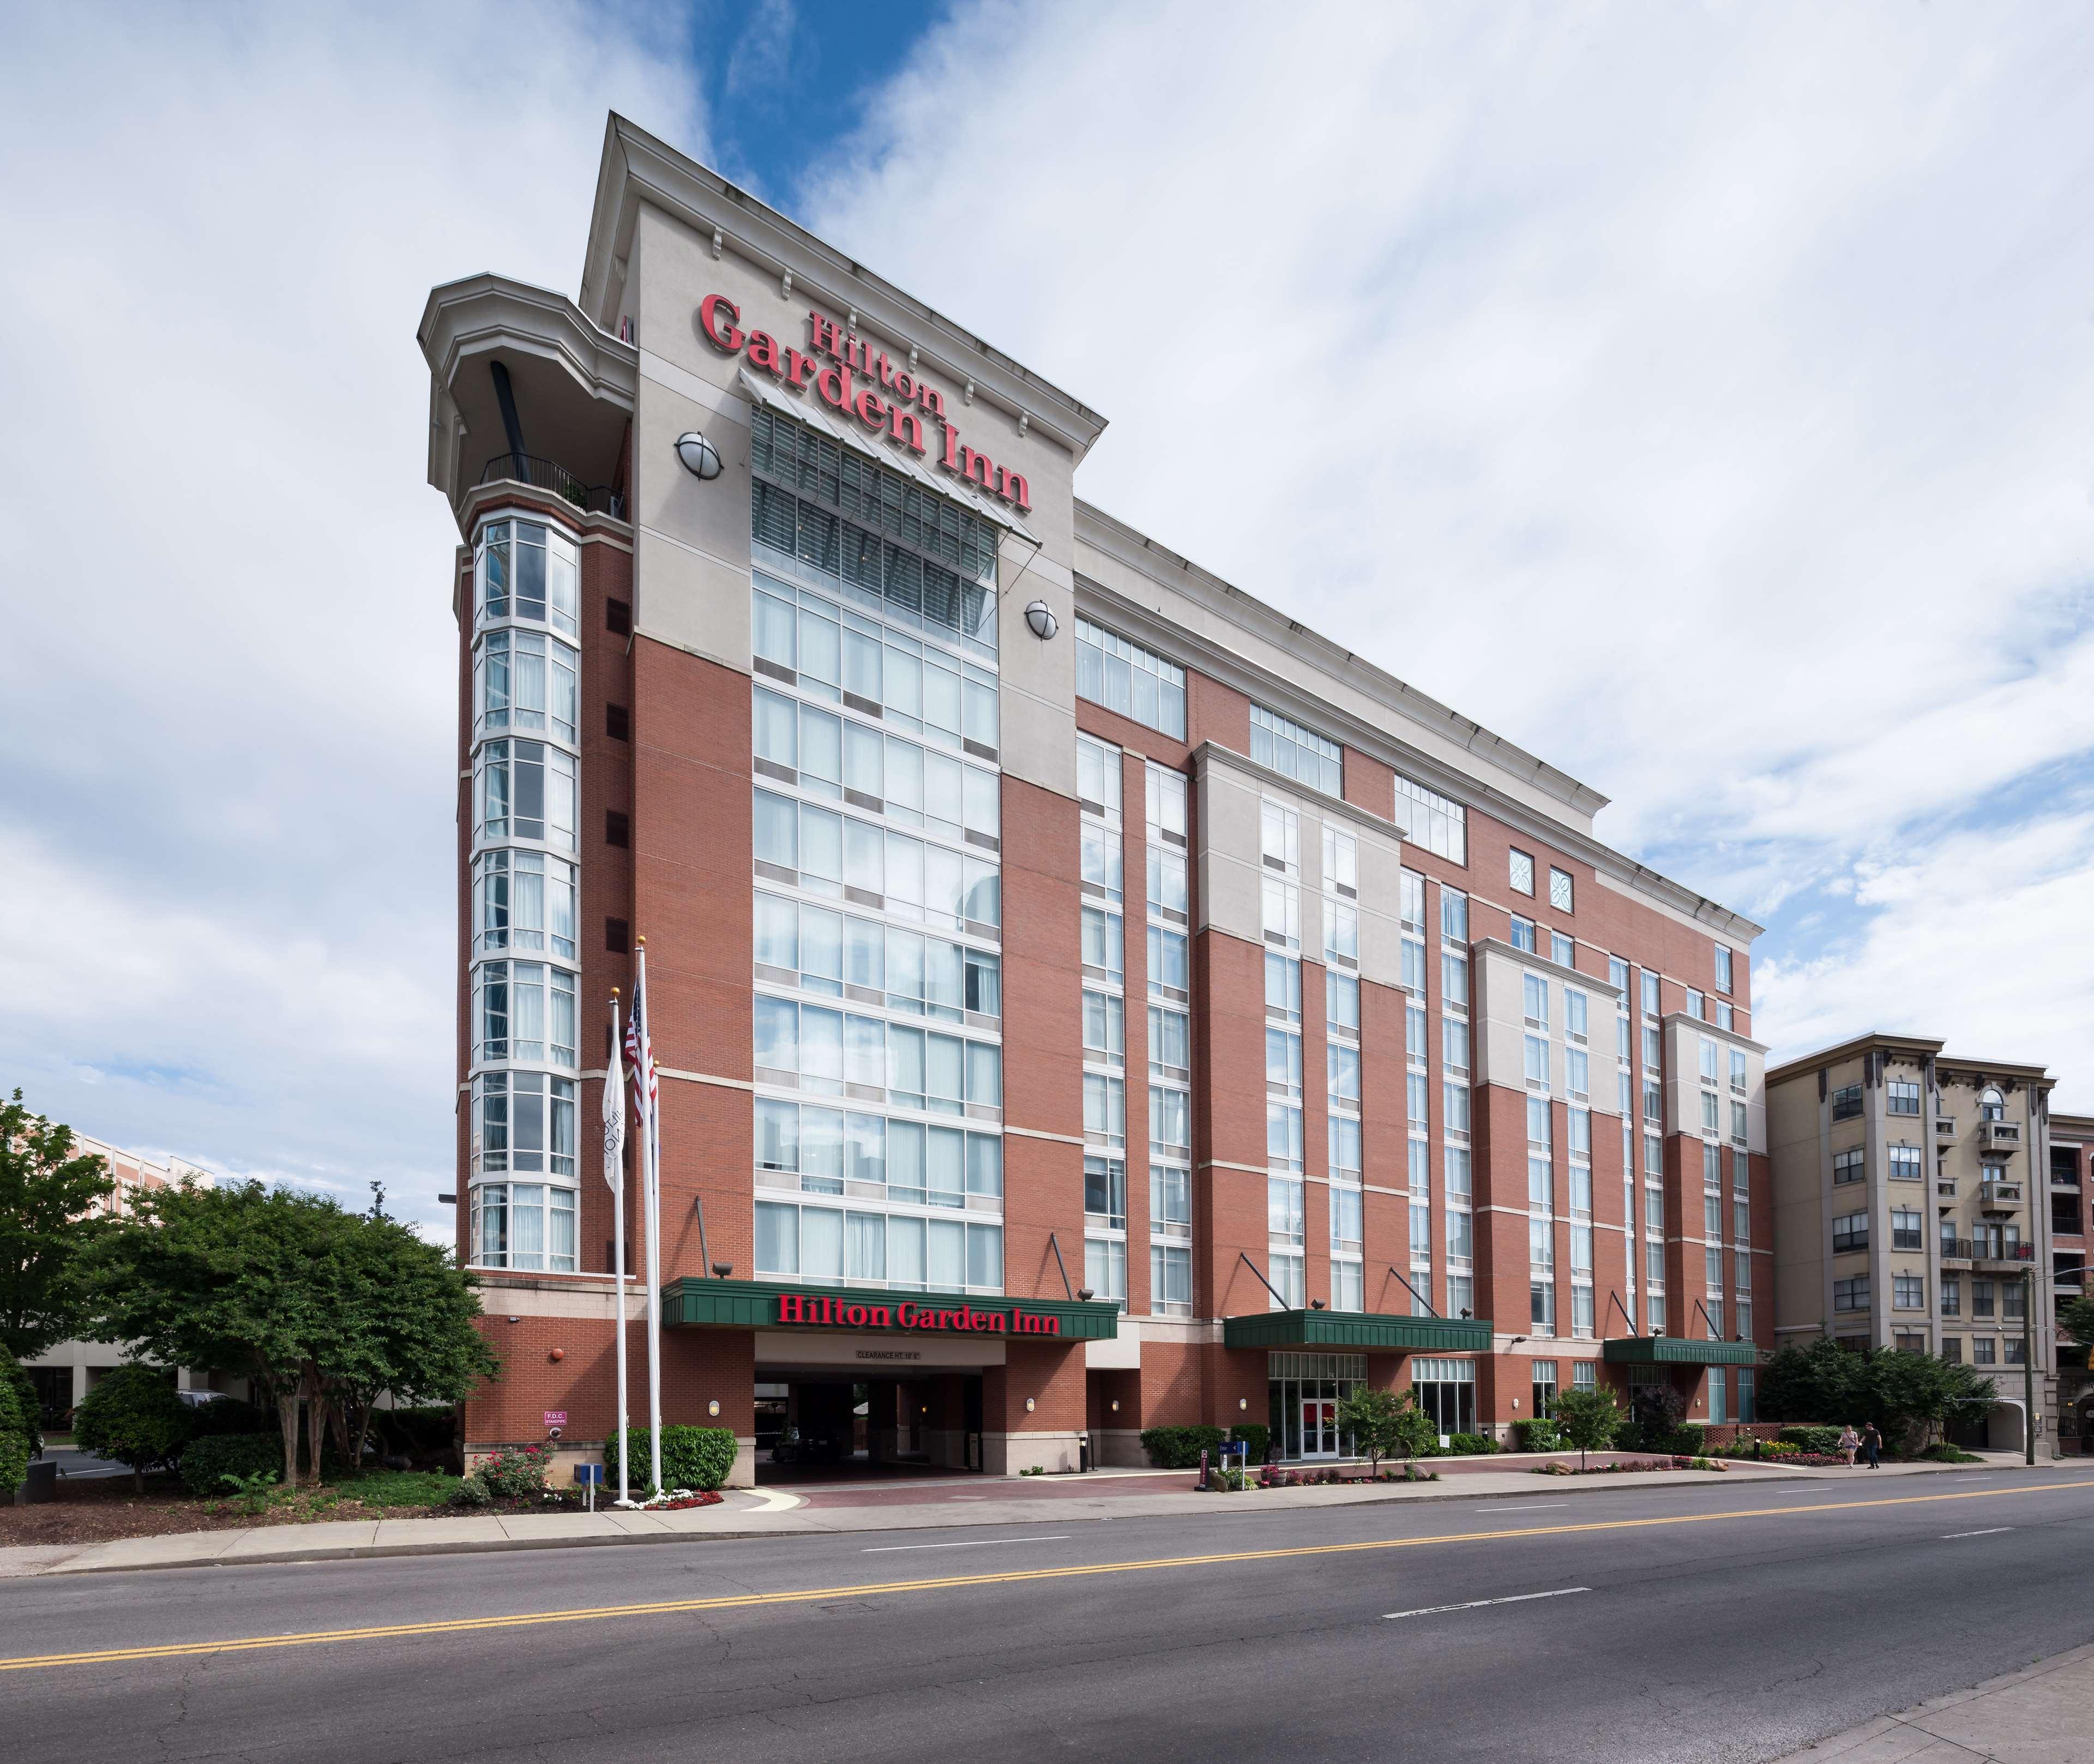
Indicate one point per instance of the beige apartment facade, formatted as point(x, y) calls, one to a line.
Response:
point(2071, 1201)
point(1910, 1211)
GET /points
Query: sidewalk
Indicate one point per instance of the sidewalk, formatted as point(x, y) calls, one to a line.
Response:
point(2038, 1716)
point(859, 1507)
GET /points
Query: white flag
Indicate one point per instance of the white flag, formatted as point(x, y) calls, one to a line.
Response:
point(614, 1110)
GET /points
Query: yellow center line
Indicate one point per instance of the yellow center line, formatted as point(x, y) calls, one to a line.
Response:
point(808, 1596)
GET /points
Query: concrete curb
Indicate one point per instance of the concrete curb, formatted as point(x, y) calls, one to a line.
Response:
point(1037, 1513)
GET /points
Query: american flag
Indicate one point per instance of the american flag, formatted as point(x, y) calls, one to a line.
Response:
point(640, 1049)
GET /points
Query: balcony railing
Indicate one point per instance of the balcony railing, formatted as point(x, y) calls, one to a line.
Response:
point(1999, 1196)
point(1999, 1135)
point(1944, 1127)
point(549, 474)
point(1984, 1250)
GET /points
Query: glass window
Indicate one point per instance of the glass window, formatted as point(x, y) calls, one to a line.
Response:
point(1560, 888)
point(1436, 821)
point(527, 790)
point(1299, 753)
point(1126, 677)
point(524, 900)
point(1522, 934)
point(1341, 1000)
point(1453, 915)
point(525, 570)
point(1722, 968)
point(1170, 1281)
point(1521, 871)
point(525, 1225)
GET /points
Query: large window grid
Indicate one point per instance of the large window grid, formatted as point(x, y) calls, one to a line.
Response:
point(808, 1148)
point(840, 758)
point(1167, 824)
point(916, 557)
point(525, 790)
point(896, 1252)
point(823, 852)
point(817, 1049)
point(820, 950)
point(826, 651)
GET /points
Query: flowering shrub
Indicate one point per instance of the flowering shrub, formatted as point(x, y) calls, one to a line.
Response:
point(1632, 1468)
point(677, 1499)
point(515, 1473)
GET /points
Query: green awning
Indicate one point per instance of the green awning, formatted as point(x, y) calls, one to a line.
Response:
point(1677, 1350)
point(696, 1304)
point(1372, 1331)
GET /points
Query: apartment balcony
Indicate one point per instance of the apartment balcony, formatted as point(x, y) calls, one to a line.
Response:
point(1944, 1127)
point(1985, 1256)
point(549, 474)
point(2000, 1197)
point(1999, 1136)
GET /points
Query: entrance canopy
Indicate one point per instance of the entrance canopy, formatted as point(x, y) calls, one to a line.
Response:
point(1379, 1331)
point(774, 1305)
point(1677, 1350)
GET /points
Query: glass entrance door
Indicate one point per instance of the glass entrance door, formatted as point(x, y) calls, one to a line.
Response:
point(1319, 1426)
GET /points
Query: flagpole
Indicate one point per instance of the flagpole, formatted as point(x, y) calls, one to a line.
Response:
point(653, 1204)
point(614, 1173)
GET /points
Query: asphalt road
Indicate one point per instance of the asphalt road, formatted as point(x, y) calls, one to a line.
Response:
point(1734, 1623)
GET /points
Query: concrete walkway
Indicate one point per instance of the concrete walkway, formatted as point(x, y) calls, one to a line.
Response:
point(2038, 1715)
point(774, 1512)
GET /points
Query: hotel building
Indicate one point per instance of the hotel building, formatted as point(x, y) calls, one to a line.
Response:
point(1086, 999)
point(1913, 1209)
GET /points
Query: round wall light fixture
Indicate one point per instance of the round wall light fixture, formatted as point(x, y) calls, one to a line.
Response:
point(712, 1408)
point(1028, 1405)
point(1243, 1402)
point(1040, 616)
point(700, 459)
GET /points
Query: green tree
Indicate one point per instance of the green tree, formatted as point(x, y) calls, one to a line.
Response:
point(1896, 1389)
point(1589, 1419)
point(325, 1309)
point(1385, 1423)
point(16, 1423)
point(2078, 1317)
point(47, 1196)
point(1820, 1381)
point(29, 1406)
point(133, 1416)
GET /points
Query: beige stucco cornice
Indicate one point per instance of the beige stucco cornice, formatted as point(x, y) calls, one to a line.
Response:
point(1911, 1047)
point(1139, 553)
point(636, 167)
point(1714, 1032)
point(1135, 621)
point(474, 317)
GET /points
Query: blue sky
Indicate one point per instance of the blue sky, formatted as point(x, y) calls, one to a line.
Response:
point(1695, 396)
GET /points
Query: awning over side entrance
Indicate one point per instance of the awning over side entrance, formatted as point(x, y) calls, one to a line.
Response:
point(696, 1304)
point(1375, 1331)
point(1676, 1350)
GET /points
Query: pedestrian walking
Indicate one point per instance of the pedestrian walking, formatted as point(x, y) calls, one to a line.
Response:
point(1872, 1446)
point(1849, 1443)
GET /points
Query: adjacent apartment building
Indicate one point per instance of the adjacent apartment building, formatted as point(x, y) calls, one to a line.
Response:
point(1912, 1193)
point(1086, 999)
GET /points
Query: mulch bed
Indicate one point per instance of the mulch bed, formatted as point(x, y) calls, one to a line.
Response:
point(98, 1509)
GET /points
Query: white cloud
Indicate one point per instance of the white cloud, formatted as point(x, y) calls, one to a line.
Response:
point(1695, 396)
point(226, 694)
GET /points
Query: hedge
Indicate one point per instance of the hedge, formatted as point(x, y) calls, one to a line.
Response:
point(205, 1461)
point(1471, 1445)
point(1179, 1448)
point(14, 1439)
point(1254, 1434)
point(1539, 1435)
point(1811, 1439)
point(1686, 1440)
point(132, 1415)
point(692, 1457)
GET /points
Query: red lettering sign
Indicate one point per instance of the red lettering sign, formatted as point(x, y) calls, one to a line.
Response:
point(823, 1310)
point(850, 356)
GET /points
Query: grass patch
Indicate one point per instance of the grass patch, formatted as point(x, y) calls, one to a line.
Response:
point(394, 1488)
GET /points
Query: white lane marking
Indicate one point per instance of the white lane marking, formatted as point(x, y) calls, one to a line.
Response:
point(1990, 1531)
point(1525, 1506)
point(1474, 1604)
point(977, 1543)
